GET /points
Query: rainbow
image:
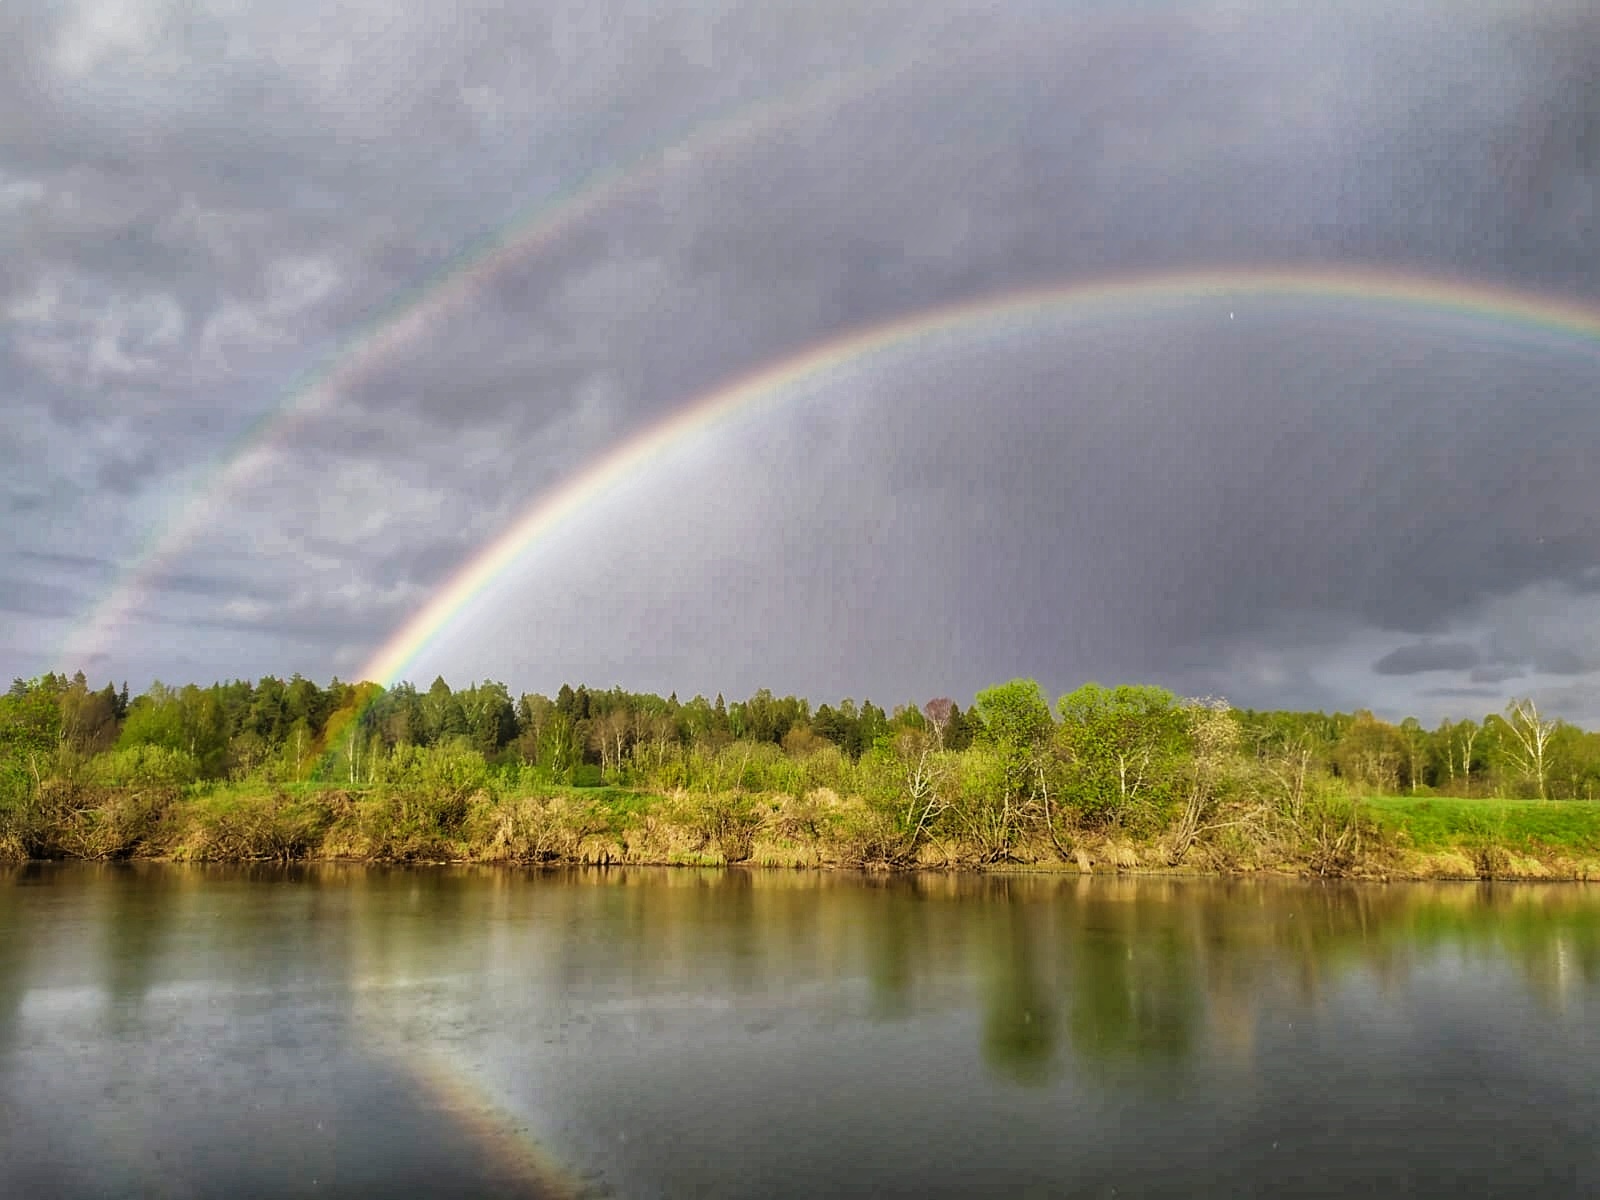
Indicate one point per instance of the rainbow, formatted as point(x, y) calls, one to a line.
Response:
point(251, 455)
point(1499, 308)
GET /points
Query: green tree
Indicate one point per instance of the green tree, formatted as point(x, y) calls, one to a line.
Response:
point(1372, 754)
point(155, 719)
point(1017, 725)
point(560, 751)
point(1527, 748)
point(1121, 747)
point(30, 729)
point(963, 727)
point(1457, 744)
point(534, 713)
point(1016, 718)
point(305, 701)
point(1418, 746)
point(89, 719)
point(189, 721)
point(268, 717)
point(491, 719)
point(442, 714)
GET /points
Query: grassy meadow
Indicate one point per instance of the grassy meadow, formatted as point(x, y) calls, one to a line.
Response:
point(1499, 838)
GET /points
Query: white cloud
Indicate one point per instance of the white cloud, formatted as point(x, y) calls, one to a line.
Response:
point(98, 30)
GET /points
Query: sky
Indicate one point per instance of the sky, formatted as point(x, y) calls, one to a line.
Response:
point(303, 305)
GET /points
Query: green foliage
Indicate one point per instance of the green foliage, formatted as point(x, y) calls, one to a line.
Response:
point(454, 769)
point(560, 751)
point(30, 728)
point(89, 721)
point(1373, 754)
point(187, 721)
point(1123, 750)
point(1128, 775)
point(1017, 728)
point(979, 810)
point(1015, 716)
point(30, 722)
point(145, 763)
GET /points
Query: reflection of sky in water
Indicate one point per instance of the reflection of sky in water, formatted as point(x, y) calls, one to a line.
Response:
point(691, 1033)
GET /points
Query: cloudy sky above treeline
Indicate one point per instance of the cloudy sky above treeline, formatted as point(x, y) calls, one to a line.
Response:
point(212, 214)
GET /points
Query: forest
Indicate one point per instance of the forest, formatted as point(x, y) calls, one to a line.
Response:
point(1120, 778)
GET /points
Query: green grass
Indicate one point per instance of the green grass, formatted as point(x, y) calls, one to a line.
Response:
point(223, 789)
point(1443, 822)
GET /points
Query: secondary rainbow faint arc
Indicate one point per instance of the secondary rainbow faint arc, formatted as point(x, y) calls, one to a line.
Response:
point(403, 318)
point(1494, 304)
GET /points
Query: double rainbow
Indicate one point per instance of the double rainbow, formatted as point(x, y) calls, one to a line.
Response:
point(1497, 310)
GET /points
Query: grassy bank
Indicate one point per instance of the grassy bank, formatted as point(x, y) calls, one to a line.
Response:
point(1335, 836)
point(1491, 839)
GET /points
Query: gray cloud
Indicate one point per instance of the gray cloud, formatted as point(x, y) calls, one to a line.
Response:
point(199, 216)
point(33, 597)
point(1421, 657)
point(123, 476)
point(1573, 701)
point(1564, 661)
point(57, 559)
point(1462, 693)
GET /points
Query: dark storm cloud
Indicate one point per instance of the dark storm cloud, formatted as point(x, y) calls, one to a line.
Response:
point(1421, 657)
point(1068, 531)
point(1564, 661)
point(198, 210)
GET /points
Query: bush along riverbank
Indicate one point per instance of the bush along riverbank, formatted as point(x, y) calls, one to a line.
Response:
point(1114, 779)
point(1325, 834)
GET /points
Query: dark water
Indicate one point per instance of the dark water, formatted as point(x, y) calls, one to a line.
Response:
point(178, 1031)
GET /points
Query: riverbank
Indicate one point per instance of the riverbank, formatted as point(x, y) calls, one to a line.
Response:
point(1389, 837)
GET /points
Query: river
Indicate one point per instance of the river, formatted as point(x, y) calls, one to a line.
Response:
point(192, 1031)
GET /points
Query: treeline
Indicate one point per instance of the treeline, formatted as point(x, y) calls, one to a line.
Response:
point(289, 769)
point(280, 731)
point(296, 731)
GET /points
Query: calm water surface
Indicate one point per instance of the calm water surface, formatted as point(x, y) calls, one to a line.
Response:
point(187, 1031)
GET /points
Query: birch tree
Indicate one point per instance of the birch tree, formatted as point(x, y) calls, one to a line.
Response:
point(1463, 737)
point(1530, 739)
point(938, 711)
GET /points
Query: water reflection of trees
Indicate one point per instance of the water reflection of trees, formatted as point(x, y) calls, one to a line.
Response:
point(1128, 974)
point(137, 909)
point(1130, 966)
point(21, 926)
point(1019, 1005)
point(1150, 970)
point(1133, 977)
